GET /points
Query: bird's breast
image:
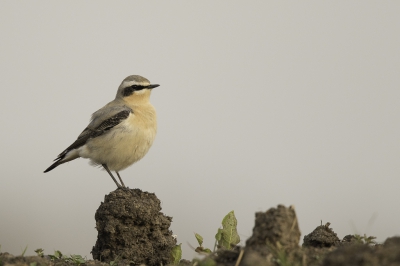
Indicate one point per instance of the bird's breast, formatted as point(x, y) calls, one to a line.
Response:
point(144, 118)
point(127, 142)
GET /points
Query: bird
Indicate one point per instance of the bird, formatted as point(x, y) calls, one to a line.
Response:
point(120, 133)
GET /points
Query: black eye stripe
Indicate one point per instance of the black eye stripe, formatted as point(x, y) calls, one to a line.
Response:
point(129, 90)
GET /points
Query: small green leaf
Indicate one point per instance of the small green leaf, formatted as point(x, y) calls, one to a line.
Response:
point(228, 237)
point(77, 259)
point(218, 236)
point(176, 254)
point(33, 263)
point(199, 239)
point(39, 252)
point(202, 250)
point(58, 254)
point(207, 250)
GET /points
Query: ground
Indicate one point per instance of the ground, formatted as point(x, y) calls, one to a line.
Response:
point(132, 230)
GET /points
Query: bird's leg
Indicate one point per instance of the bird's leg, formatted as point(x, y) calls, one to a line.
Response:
point(109, 172)
point(120, 179)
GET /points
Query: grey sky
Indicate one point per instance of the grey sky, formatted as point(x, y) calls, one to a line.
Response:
point(261, 103)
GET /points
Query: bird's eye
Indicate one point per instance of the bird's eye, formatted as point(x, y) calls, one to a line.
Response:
point(130, 90)
point(137, 87)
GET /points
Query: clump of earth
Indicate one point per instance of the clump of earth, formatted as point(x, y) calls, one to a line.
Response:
point(275, 241)
point(132, 230)
point(132, 227)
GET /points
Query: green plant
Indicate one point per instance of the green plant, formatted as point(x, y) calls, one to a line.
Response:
point(77, 259)
point(227, 237)
point(365, 240)
point(23, 252)
point(57, 255)
point(115, 261)
point(200, 249)
point(205, 262)
point(176, 254)
point(39, 252)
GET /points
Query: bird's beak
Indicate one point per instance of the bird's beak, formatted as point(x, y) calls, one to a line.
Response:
point(152, 86)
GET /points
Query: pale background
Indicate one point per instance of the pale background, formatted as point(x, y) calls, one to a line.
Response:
point(261, 103)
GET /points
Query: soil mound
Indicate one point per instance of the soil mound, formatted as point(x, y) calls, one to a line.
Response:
point(275, 230)
point(132, 229)
point(321, 237)
point(277, 226)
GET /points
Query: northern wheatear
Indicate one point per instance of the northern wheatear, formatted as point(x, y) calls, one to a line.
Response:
point(120, 133)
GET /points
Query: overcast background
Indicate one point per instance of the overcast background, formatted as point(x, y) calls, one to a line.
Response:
point(261, 103)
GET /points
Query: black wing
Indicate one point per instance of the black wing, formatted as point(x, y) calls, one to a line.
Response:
point(89, 133)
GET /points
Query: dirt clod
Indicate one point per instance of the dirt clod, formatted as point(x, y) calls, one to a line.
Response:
point(321, 237)
point(132, 229)
point(184, 262)
point(277, 225)
point(364, 254)
point(227, 257)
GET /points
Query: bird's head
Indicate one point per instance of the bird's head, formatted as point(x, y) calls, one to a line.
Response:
point(135, 87)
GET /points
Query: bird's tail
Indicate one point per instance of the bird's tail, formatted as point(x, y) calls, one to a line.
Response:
point(65, 156)
point(54, 165)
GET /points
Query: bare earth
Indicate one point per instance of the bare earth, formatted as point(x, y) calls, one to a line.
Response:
point(132, 230)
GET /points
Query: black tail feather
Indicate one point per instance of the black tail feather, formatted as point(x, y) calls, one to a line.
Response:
point(54, 165)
